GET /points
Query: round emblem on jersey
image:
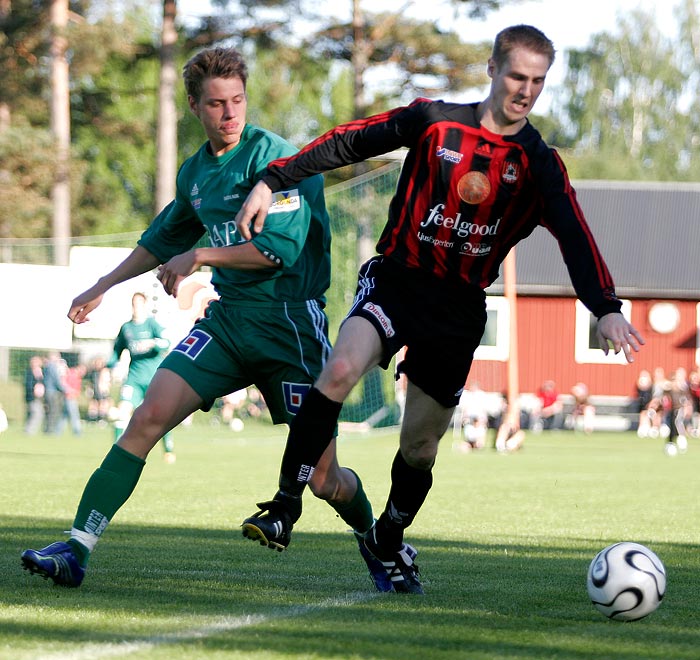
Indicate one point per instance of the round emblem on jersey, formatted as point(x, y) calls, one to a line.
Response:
point(473, 187)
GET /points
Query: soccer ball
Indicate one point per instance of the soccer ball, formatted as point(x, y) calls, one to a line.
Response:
point(670, 449)
point(237, 424)
point(626, 581)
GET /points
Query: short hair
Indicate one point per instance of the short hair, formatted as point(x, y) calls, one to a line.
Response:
point(525, 36)
point(139, 294)
point(213, 63)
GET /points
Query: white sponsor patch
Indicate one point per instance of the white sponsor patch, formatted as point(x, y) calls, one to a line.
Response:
point(378, 313)
point(285, 201)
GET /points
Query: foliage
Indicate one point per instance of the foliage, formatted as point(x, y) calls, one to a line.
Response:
point(114, 74)
point(287, 88)
point(628, 109)
point(420, 58)
point(624, 103)
point(27, 158)
point(23, 60)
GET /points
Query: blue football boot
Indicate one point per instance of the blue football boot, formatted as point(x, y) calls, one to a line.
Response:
point(56, 561)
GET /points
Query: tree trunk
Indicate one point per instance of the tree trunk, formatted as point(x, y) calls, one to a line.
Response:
point(360, 57)
point(166, 141)
point(60, 127)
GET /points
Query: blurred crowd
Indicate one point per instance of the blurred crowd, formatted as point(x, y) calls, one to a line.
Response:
point(60, 397)
point(668, 405)
point(662, 405)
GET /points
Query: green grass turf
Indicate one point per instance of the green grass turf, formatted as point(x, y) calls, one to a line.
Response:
point(504, 543)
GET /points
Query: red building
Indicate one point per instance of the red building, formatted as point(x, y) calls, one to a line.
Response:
point(649, 234)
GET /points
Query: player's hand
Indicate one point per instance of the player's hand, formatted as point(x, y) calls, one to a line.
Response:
point(142, 346)
point(255, 207)
point(83, 304)
point(622, 334)
point(177, 269)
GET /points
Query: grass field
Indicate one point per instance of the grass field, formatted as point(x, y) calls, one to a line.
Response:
point(504, 543)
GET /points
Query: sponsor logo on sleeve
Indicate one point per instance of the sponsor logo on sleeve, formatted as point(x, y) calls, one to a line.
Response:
point(449, 155)
point(285, 201)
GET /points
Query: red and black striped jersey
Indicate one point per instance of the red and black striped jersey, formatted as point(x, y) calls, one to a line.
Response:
point(465, 196)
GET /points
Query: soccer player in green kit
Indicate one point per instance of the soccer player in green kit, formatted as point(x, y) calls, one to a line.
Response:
point(142, 337)
point(268, 322)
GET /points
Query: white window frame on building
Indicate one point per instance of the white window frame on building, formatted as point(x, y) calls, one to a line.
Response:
point(495, 342)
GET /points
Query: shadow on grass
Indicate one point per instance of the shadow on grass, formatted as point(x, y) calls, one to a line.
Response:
point(209, 590)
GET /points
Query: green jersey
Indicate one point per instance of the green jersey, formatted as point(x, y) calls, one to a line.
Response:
point(210, 192)
point(146, 346)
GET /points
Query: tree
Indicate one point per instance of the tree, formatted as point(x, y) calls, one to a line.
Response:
point(420, 58)
point(113, 77)
point(623, 105)
point(166, 142)
point(302, 84)
point(60, 129)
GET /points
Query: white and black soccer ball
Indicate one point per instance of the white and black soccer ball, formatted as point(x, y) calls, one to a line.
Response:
point(626, 581)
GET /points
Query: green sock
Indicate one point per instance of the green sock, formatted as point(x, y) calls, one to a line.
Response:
point(168, 443)
point(357, 512)
point(105, 492)
point(119, 428)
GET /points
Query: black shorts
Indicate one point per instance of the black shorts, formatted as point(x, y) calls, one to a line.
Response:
point(440, 323)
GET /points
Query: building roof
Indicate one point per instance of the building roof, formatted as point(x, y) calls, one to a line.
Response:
point(649, 234)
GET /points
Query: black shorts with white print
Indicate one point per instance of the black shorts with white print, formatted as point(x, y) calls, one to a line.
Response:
point(439, 323)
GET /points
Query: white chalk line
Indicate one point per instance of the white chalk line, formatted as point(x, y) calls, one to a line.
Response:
point(95, 651)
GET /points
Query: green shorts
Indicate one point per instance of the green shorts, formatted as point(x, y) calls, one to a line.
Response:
point(278, 347)
point(134, 393)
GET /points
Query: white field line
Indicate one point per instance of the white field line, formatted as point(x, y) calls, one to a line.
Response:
point(122, 649)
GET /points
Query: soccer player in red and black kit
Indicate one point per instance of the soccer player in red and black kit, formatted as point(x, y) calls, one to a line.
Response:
point(477, 179)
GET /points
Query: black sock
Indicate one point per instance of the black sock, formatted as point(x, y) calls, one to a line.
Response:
point(310, 433)
point(409, 488)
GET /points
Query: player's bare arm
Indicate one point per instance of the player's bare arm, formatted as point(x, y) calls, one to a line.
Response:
point(621, 333)
point(138, 262)
point(83, 304)
point(244, 256)
point(255, 207)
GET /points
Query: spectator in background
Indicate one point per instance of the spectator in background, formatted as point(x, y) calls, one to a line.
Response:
point(54, 370)
point(510, 435)
point(694, 392)
point(474, 422)
point(247, 403)
point(660, 405)
point(550, 415)
point(679, 411)
point(659, 383)
point(232, 406)
point(34, 395)
point(72, 389)
point(99, 390)
point(583, 408)
point(644, 395)
point(256, 405)
point(4, 425)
